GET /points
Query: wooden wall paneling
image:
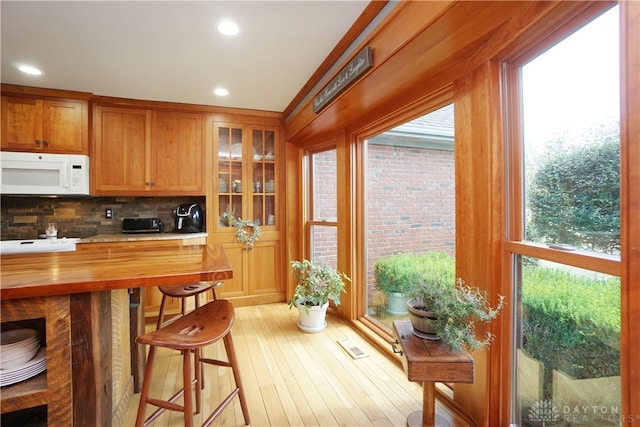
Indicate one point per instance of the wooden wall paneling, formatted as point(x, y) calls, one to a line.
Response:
point(480, 218)
point(346, 211)
point(294, 233)
point(630, 204)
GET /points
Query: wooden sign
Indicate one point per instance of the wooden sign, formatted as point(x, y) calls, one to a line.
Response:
point(352, 71)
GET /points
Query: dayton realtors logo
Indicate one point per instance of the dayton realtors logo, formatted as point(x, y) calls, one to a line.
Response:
point(544, 412)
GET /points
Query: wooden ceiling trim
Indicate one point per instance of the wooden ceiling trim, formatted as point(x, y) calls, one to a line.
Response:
point(365, 18)
point(433, 57)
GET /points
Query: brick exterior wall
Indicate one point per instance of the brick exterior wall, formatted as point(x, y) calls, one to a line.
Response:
point(410, 203)
point(325, 208)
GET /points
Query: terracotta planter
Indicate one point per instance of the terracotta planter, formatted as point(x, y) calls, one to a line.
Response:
point(422, 321)
point(312, 319)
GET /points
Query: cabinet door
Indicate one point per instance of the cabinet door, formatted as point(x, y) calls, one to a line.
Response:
point(21, 118)
point(263, 175)
point(53, 126)
point(230, 182)
point(119, 161)
point(235, 286)
point(63, 126)
point(263, 260)
point(176, 153)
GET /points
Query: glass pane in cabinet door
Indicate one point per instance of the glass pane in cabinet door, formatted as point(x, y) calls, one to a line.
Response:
point(258, 145)
point(258, 209)
point(224, 142)
point(269, 178)
point(269, 145)
point(270, 209)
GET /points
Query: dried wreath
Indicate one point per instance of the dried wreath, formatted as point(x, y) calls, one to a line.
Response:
point(247, 232)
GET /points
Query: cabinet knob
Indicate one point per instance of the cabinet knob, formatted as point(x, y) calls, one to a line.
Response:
point(45, 142)
point(37, 142)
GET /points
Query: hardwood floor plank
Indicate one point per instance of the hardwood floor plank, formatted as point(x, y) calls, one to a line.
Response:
point(295, 379)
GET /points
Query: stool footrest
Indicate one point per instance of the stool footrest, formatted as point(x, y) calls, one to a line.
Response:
point(220, 407)
point(215, 362)
point(163, 405)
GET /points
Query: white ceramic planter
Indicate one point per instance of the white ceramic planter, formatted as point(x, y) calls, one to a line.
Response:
point(396, 304)
point(312, 319)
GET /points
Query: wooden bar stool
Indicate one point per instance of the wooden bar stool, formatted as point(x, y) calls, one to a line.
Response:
point(183, 292)
point(201, 327)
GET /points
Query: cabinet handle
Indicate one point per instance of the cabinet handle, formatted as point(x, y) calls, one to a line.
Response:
point(45, 142)
point(393, 347)
point(37, 142)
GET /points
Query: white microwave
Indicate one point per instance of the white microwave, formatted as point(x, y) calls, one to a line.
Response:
point(44, 174)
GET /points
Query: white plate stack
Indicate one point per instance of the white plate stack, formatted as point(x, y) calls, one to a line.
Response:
point(270, 186)
point(223, 186)
point(21, 356)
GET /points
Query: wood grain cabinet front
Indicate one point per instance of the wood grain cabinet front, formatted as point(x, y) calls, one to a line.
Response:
point(257, 277)
point(44, 125)
point(145, 152)
point(246, 186)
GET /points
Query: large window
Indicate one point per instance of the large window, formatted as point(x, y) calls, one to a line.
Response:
point(323, 225)
point(410, 209)
point(566, 232)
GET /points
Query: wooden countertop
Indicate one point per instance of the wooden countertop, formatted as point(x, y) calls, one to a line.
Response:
point(59, 273)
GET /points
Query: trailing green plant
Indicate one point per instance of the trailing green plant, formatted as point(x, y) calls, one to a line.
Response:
point(398, 273)
point(456, 307)
point(316, 284)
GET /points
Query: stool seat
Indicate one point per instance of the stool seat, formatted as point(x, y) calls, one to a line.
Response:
point(183, 291)
point(188, 334)
point(196, 329)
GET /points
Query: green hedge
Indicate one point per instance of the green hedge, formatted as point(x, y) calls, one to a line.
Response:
point(571, 323)
point(397, 273)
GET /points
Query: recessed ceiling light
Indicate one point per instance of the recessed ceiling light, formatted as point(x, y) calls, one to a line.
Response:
point(28, 69)
point(221, 91)
point(228, 28)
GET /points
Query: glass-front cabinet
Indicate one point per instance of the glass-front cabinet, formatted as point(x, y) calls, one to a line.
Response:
point(245, 183)
point(246, 174)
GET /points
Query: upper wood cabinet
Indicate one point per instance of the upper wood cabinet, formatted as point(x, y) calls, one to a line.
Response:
point(44, 125)
point(246, 174)
point(145, 152)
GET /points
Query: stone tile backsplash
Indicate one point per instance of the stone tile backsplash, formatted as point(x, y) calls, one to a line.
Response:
point(27, 217)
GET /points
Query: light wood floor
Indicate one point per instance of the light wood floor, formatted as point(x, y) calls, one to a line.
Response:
point(295, 379)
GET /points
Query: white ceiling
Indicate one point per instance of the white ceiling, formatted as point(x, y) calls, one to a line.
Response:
point(171, 50)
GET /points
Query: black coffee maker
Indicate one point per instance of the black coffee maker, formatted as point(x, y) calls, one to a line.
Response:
point(189, 218)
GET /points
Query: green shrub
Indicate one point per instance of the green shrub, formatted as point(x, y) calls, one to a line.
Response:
point(397, 273)
point(571, 323)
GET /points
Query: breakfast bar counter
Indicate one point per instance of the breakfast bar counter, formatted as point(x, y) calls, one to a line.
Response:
point(71, 292)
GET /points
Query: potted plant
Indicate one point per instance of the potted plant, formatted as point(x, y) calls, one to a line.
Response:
point(316, 284)
point(396, 274)
point(442, 310)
